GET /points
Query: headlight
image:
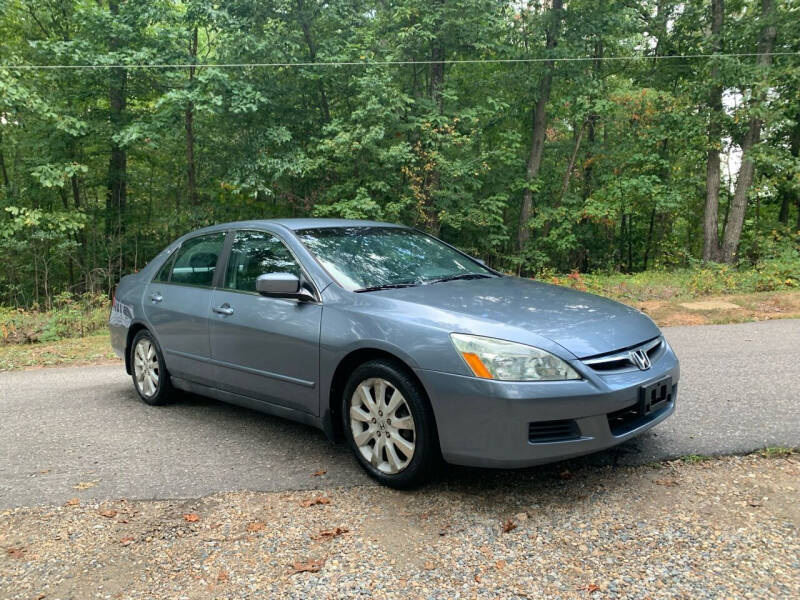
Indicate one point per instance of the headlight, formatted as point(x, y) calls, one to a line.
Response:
point(491, 358)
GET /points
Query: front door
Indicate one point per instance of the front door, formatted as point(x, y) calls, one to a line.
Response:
point(265, 348)
point(177, 304)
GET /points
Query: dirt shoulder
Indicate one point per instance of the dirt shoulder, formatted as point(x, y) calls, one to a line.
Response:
point(716, 310)
point(90, 350)
point(717, 528)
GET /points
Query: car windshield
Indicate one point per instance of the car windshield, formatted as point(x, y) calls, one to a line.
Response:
point(371, 258)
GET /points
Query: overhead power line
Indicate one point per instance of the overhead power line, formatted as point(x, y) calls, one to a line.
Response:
point(354, 63)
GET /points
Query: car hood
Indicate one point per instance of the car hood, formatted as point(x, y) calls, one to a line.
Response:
point(583, 324)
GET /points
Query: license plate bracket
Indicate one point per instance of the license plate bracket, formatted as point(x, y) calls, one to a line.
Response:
point(655, 396)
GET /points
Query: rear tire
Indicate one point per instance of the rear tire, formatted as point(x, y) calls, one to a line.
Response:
point(389, 425)
point(150, 376)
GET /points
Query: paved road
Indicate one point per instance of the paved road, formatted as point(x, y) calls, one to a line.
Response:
point(739, 391)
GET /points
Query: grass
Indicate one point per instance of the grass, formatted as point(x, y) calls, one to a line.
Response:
point(770, 290)
point(684, 284)
point(777, 452)
point(91, 349)
point(69, 316)
point(693, 459)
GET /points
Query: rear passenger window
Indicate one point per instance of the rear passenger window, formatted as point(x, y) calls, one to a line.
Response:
point(196, 260)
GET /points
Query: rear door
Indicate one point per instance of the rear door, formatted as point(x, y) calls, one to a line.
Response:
point(177, 304)
point(265, 348)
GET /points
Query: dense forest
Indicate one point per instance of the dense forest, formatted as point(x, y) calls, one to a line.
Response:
point(541, 136)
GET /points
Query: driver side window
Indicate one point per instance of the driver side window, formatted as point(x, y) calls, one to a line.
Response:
point(255, 253)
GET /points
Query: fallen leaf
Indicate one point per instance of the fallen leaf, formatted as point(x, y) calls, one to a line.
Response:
point(509, 525)
point(126, 541)
point(314, 501)
point(108, 513)
point(191, 518)
point(327, 534)
point(255, 526)
point(319, 473)
point(222, 577)
point(308, 566)
point(666, 482)
point(429, 566)
point(16, 552)
point(73, 502)
point(85, 485)
point(565, 474)
point(500, 564)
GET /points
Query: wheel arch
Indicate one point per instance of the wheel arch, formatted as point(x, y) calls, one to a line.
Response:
point(134, 328)
point(331, 417)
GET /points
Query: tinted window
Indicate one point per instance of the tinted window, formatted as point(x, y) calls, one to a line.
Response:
point(366, 257)
point(255, 253)
point(197, 260)
point(163, 272)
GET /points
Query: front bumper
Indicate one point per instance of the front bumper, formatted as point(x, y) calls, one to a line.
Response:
point(486, 423)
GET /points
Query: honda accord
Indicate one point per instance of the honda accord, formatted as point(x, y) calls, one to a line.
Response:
point(413, 351)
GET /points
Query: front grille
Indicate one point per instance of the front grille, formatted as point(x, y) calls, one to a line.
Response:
point(620, 361)
point(541, 432)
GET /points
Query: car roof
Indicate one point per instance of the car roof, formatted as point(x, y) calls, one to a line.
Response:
point(295, 224)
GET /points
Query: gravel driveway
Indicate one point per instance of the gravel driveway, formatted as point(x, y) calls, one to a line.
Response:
point(725, 528)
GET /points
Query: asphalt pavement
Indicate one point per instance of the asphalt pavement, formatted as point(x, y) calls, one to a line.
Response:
point(82, 431)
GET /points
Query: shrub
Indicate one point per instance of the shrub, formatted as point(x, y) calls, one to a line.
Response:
point(71, 316)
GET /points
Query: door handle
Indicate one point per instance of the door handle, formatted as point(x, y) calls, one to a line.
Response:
point(225, 309)
point(156, 297)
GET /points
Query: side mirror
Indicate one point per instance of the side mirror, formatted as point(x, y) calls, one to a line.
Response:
point(281, 285)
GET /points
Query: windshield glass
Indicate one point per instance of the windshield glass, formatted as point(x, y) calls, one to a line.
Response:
point(364, 258)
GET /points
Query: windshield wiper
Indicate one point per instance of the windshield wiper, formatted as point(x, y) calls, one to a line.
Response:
point(388, 286)
point(461, 276)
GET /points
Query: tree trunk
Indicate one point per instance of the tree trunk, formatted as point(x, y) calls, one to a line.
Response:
point(312, 55)
point(733, 228)
point(436, 83)
point(711, 248)
point(3, 170)
point(116, 195)
point(588, 168)
point(437, 66)
point(789, 191)
point(191, 178)
point(538, 128)
point(571, 164)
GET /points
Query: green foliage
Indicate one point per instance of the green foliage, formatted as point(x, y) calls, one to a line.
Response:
point(71, 316)
point(772, 275)
point(621, 188)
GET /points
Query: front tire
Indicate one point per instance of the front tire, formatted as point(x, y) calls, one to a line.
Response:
point(150, 377)
point(389, 425)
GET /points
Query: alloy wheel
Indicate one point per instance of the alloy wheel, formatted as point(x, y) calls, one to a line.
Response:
point(145, 367)
point(382, 425)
